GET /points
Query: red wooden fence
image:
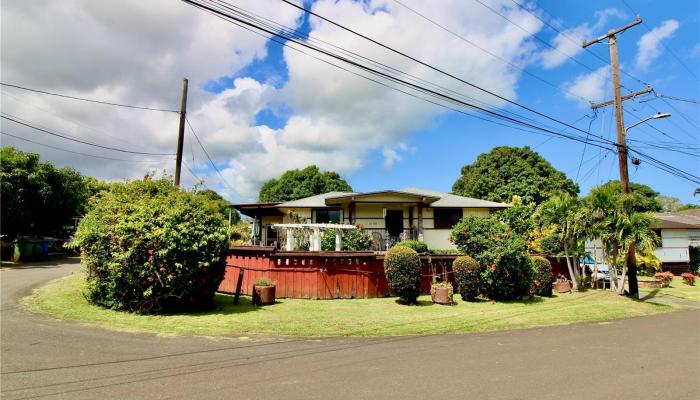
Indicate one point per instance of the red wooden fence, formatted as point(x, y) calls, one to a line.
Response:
point(321, 275)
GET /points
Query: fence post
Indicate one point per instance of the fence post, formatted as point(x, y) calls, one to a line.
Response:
point(238, 286)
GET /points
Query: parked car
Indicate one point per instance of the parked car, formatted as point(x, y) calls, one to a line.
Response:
point(590, 265)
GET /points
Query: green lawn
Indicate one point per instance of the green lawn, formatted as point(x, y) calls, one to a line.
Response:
point(371, 317)
point(679, 290)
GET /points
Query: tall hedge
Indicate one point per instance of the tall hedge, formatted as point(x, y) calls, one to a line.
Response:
point(507, 269)
point(149, 247)
point(402, 269)
point(468, 276)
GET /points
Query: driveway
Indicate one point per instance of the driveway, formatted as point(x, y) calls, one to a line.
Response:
point(655, 357)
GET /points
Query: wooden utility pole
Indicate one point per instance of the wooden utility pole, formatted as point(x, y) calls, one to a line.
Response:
point(181, 132)
point(631, 262)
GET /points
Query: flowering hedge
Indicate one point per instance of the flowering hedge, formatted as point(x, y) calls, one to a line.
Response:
point(149, 247)
point(507, 272)
point(543, 276)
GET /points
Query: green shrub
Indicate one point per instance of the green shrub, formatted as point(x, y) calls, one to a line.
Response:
point(416, 245)
point(402, 267)
point(149, 247)
point(352, 240)
point(543, 276)
point(262, 281)
point(468, 276)
point(444, 251)
point(507, 269)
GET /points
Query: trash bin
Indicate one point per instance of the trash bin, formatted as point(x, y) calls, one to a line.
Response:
point(25, 248)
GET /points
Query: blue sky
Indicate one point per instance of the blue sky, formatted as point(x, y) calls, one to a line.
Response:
point(260, 108)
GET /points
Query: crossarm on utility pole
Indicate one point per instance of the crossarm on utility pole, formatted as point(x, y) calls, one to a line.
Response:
point(623, 98)
point(612, 32)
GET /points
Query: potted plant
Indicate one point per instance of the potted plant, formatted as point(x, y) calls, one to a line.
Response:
point(562, 285)
point(442, 292)
point(263, 292)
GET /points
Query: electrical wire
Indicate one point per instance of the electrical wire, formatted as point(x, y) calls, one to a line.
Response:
point(15, 120)
point(207, 154)
point(239, 19)
point(74, 152)
point(690, 71)
point(87, 100)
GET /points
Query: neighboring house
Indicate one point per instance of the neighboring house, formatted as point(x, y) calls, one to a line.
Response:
point(679, 231)
point(389, 215)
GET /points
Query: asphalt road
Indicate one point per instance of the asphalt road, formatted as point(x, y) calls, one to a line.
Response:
point(655, 357)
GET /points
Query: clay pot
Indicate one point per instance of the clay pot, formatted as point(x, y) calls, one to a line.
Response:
point(562, 287)
point(263, 295)
point(441, 295)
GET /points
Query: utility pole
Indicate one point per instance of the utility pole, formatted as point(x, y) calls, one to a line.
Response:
point(181, 132)
point(631, 262)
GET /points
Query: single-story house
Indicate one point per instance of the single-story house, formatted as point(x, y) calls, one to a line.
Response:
point(389, 215)
point(679, 231)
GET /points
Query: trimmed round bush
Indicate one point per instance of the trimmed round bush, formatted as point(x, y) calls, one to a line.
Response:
point(149, 247)
point(416, 245)
point(543, 276)
point(402, 269)
point(468, 276)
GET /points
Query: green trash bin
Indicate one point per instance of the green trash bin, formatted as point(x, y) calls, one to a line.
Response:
point(25, 248)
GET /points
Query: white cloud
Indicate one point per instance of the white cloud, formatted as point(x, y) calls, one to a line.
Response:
point(592, 86)
point(649, 45)
point(568, 43)
point(137, 52)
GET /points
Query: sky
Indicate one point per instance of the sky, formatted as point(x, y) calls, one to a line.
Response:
point(260, 108)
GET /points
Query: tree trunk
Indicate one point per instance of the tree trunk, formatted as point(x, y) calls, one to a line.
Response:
point(631, 262)
point(574, 282)
point(595, 264)
point(613, 268)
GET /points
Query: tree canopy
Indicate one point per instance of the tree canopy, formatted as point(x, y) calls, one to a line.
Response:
point(37, 197)
point(506, 171)
point(643, 197)
point(222, 205)
point(297, 184)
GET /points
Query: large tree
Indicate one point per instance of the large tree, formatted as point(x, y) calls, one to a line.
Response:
point(644, 198)
point(222, 205)
point(506, 171)
point(38, 198)
point(297, 184)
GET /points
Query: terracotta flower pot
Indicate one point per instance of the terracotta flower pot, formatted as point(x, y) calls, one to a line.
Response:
point(441, 295)
point(263, 295)
point(562, 287)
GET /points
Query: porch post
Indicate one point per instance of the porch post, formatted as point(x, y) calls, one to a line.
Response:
point(352, 212)
point(420, 223)
point(290, 240)
point(338, 242)
point(317, 239)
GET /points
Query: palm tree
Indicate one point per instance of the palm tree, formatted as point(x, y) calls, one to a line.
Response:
point(621, 229)
point(563, 210)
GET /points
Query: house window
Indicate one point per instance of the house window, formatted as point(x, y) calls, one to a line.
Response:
point(446, 218)
point(326, 216)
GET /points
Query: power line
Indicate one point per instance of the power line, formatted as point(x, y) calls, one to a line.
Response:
point(207, 154)
point(452, 32)
point(77, 123)
point(12, 118)
point(433, 93)
point(690, 71)
point(108, 103)
point(428, 65)
point(678, 98)
point(214, 7)
point(71, 151)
